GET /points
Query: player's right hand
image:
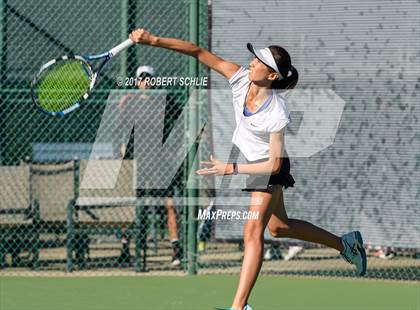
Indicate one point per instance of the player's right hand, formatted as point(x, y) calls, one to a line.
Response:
point(142, 36)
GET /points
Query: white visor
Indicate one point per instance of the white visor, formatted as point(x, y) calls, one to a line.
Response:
point(265, 56)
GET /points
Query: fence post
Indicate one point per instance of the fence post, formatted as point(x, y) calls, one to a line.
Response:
point(3, 34)
point(3, 68)
point(70, 235)
point(128, 59)
point(37, 233)
point(191, 134)
point(124, 31)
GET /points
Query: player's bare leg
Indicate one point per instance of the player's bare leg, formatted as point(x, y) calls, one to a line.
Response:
point(253, 247)
point(281, 226)
point(349, 245)
point(273, 213)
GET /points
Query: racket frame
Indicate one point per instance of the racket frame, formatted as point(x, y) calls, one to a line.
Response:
point(51, 63)
point(85, 59)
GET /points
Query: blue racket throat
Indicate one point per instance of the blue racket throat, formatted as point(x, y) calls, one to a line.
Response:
point(105, 56)
point(85, 69)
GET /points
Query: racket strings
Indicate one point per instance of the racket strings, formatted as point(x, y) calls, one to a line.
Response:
point(63, 84)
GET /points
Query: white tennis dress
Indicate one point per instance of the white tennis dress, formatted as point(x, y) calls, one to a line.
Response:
point(252, 133)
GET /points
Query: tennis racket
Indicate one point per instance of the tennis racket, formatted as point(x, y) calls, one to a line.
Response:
point(61, 84)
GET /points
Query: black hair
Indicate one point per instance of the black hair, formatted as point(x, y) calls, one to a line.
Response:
point(144, 75)
point(284, 63)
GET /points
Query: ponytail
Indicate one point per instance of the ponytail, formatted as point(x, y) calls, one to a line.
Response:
point(289, 75)
point(287, 82)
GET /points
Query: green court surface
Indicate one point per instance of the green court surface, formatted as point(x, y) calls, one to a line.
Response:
point(202, 292)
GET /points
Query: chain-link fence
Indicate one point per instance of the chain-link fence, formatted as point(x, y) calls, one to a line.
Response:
point(70, 198)
point(48, 220)
point(363, 57)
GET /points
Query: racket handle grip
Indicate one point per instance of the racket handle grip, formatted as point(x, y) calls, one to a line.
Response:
point(120, 47)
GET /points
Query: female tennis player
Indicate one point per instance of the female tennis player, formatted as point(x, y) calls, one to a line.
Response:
point(261, 116)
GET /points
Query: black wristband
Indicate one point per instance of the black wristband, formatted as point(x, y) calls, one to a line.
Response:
point(235, 168)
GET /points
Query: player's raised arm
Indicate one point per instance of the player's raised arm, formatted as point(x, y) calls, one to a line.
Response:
point(225, 68)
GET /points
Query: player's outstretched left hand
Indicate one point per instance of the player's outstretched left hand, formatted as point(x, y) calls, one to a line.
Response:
point(215, 167)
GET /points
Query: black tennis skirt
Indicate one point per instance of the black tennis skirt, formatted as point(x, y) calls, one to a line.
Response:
point(265, 183)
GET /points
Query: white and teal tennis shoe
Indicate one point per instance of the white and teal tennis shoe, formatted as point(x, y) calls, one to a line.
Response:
point(247, 307)
point(354, 252)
